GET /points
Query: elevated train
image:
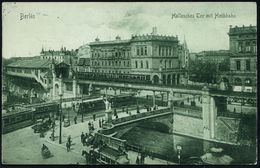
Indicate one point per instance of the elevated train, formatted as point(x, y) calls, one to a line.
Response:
point(129, 78)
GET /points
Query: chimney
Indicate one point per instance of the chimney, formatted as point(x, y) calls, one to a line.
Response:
point(230, 26)
point(154, 31)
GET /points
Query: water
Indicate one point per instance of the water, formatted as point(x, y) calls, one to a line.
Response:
point(163, 145)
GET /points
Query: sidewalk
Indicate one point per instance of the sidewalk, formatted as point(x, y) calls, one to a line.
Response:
point(75, 131)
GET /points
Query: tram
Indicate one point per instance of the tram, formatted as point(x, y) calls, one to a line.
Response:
point(27, 116)
point(16, 120)
point(116, 101)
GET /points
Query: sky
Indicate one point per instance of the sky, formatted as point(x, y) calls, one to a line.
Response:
point(69, 24)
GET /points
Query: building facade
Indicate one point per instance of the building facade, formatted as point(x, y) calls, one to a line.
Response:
point(155, 58)
point(243, 60)
point(64, 55)
point(213, 56)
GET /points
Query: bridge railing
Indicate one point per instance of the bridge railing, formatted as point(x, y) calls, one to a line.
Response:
point(140, 115)
point(111, 141)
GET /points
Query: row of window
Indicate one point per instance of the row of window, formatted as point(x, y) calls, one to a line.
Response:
point(113, 54)
point(111, 63)
point(166, 51)
point(248, 46)
point(167, 64)
point(109, 71)
point(238, 65)
point(28, 71)
point(141, 64)
point(141, 50)
point(238, 81)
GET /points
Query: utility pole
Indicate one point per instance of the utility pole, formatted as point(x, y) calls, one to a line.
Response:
point(60, 141)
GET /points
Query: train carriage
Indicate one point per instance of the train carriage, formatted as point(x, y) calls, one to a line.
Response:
point(27, 115)
point(16, 120)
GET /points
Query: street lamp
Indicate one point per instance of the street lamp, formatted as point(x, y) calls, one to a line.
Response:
point(60, 116)
point(179, 148)
point(81, 107)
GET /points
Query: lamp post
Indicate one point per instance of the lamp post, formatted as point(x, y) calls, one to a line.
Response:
point(60, 141)
point(81, 107)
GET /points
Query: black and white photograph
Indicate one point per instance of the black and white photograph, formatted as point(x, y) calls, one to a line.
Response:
point(129, 83)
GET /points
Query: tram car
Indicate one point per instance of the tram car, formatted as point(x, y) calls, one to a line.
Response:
point(43, 110)
point(128, 78)
point(15, 120)
point(27, 116)
point(116, 101)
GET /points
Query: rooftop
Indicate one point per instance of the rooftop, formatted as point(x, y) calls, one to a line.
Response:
point(214, 52)
point(242, 30)
point(31, 63)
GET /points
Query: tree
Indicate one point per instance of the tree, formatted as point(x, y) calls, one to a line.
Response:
point(224, 65)
point(203, 71)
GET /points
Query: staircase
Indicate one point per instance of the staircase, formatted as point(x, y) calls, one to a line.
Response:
point(40, 80)
point(227, 129)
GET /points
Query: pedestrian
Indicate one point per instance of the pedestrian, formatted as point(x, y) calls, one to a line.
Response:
point(67, 146)
point(63, 117)
point(92, 126)
point(94, 117)
point(116, 116)
point(137, 160)
point(82, 138)
point(75, 119)
point(137, 109)
point(69, 140)
point(234, 110)
point(126, 110)
point(99, 123)
point(115, 113)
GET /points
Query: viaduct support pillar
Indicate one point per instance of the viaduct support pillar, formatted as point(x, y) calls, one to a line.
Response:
point(74, 87)
point(153, 98)
point(209, 114)
point(53, 86)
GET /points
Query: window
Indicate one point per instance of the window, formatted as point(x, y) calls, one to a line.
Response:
point(69, 87)
point(159, 51)
point(240, 44)
point(247, 46)
point(141, 64)
point(238, 65)
point(248, 65)
point(165, 65)
point(142, 51)
point(162, 51)
point(136, 64)
point(124, 63)
point(138, 51)
point(145, 50)
point(147, 64)
point(170, 64)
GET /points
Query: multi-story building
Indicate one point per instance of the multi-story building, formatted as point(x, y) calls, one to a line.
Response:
point(243, 60)
point(64, 55)
point(158, 58)
point(213, 56)
point(83, 62)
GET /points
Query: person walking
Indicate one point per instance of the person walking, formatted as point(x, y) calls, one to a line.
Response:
point(94, 117)
point(75, 119)
point(100, 124)
point(82, 137)
point(68, 146)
